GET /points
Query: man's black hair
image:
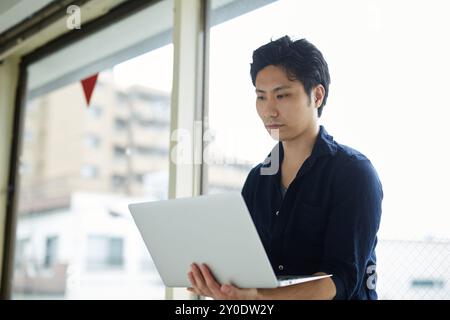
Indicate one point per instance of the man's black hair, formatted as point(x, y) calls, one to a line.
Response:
point(300, 59)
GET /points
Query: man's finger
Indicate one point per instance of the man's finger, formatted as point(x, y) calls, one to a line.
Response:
point(197, 275)
point(192, 279)
point(200, 281)
point(211, 282)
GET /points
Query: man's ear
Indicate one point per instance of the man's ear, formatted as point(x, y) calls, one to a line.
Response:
point(318, 94)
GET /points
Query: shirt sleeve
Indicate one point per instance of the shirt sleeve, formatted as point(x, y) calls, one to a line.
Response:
point(352, 227)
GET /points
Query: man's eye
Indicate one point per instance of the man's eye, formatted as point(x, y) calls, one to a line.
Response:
point(281, 96)
point(260, 97)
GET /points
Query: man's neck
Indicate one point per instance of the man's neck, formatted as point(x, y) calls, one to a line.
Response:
point(298, 149)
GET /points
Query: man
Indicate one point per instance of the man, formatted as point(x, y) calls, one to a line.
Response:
point(321, 211)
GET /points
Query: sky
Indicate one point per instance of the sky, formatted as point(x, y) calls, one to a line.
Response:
point(389, 69)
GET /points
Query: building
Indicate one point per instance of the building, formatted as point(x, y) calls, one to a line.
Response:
point(106, 147)
point(80, 166)
point(89, 250)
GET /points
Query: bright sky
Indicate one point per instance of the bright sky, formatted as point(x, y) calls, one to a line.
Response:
point(390, 71)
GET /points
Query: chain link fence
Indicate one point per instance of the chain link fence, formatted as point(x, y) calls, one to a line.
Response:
point(413, 270)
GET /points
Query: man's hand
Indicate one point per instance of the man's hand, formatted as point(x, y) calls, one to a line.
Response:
point(204, 284)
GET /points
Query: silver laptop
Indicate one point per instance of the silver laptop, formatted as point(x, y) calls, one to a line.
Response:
point(213, 229)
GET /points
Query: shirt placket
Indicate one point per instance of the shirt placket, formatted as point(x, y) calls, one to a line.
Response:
point(280, 218)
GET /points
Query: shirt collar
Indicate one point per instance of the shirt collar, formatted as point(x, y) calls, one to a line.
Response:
point(324, 145)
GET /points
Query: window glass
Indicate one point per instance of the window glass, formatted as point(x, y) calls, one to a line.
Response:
point(81, 165)
point(387, 100)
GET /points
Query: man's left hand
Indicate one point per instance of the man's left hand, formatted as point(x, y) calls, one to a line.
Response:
point(204, 284)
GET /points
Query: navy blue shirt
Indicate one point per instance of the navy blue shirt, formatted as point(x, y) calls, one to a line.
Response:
point(328, 219)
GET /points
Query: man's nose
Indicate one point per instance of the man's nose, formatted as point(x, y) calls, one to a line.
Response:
point(271, 108)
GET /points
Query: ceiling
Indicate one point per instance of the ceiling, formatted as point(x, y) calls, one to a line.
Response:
point(13, 12)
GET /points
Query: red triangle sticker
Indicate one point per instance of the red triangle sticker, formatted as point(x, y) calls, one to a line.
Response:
point(88, 87)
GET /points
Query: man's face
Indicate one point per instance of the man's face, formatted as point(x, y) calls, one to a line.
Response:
point(283, 104)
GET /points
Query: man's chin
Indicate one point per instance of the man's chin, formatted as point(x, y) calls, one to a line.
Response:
point(276, 135)
point(278, 138)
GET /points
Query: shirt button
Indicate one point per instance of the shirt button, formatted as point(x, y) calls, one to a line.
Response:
point(276, 213)
point(280, 267)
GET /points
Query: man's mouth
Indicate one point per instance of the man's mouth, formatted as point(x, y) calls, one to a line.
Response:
point(273, 126)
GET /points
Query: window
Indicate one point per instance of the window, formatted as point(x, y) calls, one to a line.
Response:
point(139, 178)
point(89, 171)
point(76, 190)
point(120, 124)
point(51, 251)
point(122, 100)
point(95, 111)
point(118, 181)
point(148, 151)
point(92, 141)
point(22, 252)
point(105, 252)
point(152, 123)
point(120, 152)
point(369, 66)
